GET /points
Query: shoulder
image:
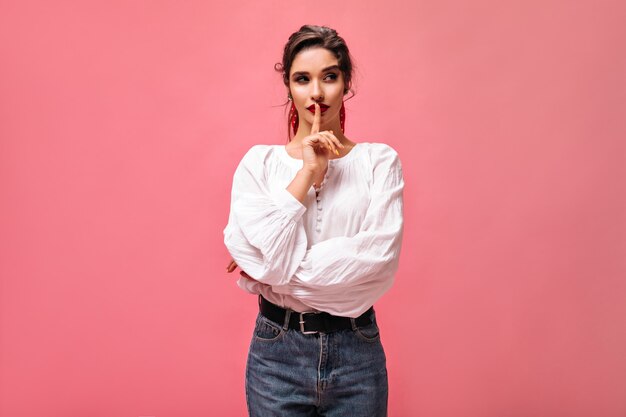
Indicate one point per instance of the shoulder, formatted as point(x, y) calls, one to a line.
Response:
point(381, 149)
point(382, 154)
point(257, 156)
point(257, 152)
point(385, 165)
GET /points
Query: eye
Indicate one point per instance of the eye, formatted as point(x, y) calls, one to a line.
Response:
point(302, 78)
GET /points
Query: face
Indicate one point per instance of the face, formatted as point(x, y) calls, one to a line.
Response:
point(315, 76)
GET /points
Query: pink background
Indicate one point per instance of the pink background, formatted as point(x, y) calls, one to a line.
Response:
point(121, 124)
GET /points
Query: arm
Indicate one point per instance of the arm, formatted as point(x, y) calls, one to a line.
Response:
point(264, 235)
point(341, 273)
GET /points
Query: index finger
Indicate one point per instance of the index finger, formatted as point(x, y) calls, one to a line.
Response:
point(231, 266)
point(315, 127)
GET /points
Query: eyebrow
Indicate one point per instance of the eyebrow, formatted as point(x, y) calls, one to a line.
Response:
point(332, 67)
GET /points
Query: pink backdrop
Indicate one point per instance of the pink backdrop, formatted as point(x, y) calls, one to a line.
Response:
point(121, 124)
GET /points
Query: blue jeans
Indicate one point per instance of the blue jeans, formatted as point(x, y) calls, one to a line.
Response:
point(342, 373)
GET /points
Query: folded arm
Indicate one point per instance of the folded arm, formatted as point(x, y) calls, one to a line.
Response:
point(264, 235)
point(342, 273)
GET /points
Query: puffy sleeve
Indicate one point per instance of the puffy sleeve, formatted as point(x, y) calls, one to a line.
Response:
point(265, 234)
point(346, 275)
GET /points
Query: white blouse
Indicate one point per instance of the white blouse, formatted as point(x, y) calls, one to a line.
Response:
point(339, 251)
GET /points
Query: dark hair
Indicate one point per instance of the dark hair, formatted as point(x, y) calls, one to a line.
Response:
point(310, 36)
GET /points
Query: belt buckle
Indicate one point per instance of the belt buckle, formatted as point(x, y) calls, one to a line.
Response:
point(302, 324)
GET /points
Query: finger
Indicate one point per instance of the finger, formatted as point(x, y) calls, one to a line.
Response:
point(341, 145)
point(231, 266)
point(330, 145)
point(315, 128)
point(332, 140)
point(324, 143)
point(319, 143)
point(329, 142)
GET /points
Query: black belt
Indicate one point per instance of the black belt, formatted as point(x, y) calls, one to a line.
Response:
point(312, 322)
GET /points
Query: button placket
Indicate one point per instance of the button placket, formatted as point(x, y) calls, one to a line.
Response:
point(318, 199)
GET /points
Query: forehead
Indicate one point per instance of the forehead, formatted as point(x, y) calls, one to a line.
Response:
point(313, 60)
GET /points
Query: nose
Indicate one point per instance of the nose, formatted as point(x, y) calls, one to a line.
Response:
point(316, 92)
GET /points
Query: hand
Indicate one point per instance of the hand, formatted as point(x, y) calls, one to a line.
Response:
point(317, 145)
point(233, 265)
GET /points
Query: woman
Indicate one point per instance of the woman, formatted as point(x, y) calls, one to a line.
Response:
point(316, 228)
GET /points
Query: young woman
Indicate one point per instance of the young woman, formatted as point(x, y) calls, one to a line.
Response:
point(316, 227)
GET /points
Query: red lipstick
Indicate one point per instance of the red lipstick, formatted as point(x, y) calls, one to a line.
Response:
point(323, 108)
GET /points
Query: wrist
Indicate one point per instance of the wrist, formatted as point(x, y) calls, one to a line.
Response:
point(307, 174)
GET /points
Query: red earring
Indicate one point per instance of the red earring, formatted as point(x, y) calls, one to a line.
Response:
point(294, 118)
point(342, 117)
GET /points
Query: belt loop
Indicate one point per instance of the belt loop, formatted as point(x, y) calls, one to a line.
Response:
point(287, 317)
point(353, 322)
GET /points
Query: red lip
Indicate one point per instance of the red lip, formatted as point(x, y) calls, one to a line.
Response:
point(323, 108)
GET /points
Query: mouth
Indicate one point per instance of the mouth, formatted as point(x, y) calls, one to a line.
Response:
point(323, 108)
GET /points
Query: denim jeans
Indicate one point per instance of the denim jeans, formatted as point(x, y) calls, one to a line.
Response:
point(342, 373)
